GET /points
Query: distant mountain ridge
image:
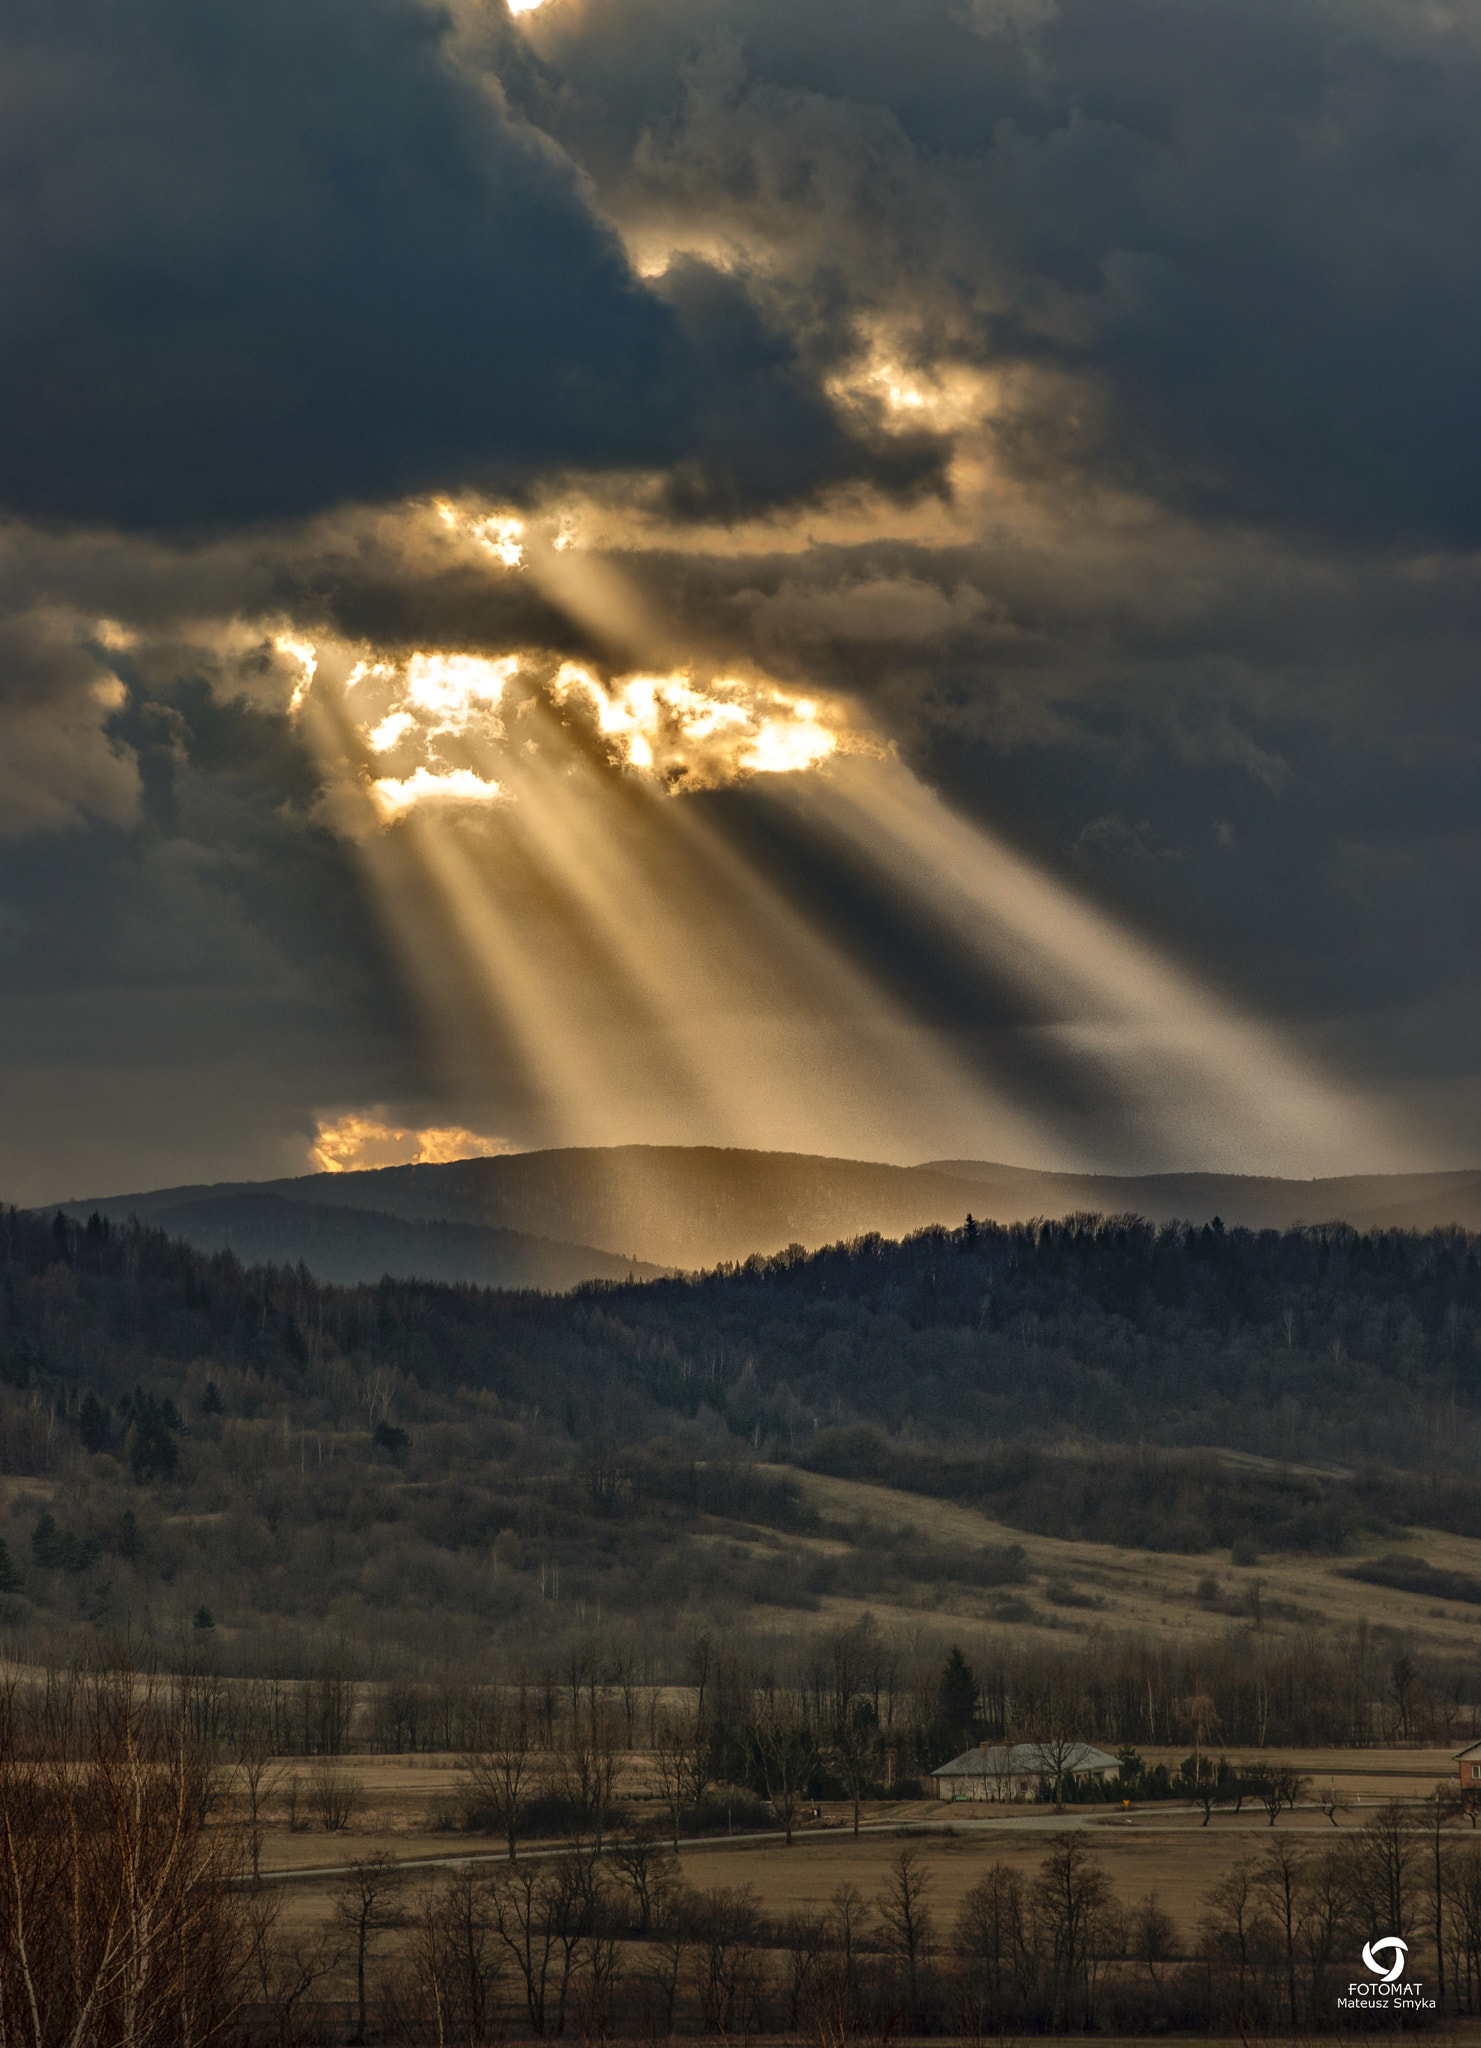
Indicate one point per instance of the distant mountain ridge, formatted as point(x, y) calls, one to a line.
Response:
point(343, 1246)
point(550, 1219)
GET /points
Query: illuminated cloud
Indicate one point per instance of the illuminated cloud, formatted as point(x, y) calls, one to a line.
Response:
point(430, 725)
point(395, 794)
point(355, 1141)
point(703, 735)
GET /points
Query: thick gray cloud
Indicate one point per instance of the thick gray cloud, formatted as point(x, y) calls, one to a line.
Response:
point(1240, 228)
point(265, 258)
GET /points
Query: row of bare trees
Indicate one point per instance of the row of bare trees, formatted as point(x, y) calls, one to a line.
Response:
point(621, 1945)
point(874, 1698)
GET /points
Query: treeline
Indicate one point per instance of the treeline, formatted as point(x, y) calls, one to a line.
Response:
point(1316, 1343)
point(1313, 1342)
point(892, 1708)
point(1186, 1501)
point(622, 1947)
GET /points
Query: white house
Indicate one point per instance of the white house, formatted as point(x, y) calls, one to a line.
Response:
point(1015, 1770)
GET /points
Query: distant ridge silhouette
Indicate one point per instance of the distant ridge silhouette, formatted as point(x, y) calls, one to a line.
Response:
point(550, 1219)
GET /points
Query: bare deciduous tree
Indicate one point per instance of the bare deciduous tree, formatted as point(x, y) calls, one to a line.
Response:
point(117, 1916)
point(907, 1924)
point(542, 1915)
point(804, 1940)
point(651, 1875)
point(451, 1968)
point(848, 1923)
point(588, 1779)
point(1072, 1911)
point(677, 1747)
point(288, 1969)
point(506, 1776)
point(1388, 1867)
point(728, 1926)
point(256, 1779)
point(991, 1936)
point(1154, 1938)
point(851, 1751)
point(334, 1797)
point(367, 1904)
point(786, 1756)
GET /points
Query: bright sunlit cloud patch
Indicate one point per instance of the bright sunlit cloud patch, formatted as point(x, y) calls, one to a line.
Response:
point(355, 1142)
point(702, 735)
point(394, 795)
point(448, 728)
point(499, 534)
point(305, 654)
point(943, 396)
point(431, 720)
point(454, 690)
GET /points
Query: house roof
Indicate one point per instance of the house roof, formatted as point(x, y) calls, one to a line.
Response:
point(1473, 1750)
point(1026, 1760)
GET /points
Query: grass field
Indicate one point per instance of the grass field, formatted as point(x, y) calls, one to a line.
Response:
point(1148, 1592)
point(1162, 1849)
point(1158, 1848)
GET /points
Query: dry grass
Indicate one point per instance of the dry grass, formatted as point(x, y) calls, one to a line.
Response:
point(1158, 1849)
point(1145, 1592)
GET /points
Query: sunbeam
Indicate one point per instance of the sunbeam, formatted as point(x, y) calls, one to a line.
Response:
point(625, 972)
point(1206, 1080)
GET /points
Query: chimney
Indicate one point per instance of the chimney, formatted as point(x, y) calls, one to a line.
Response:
point(982, 1746)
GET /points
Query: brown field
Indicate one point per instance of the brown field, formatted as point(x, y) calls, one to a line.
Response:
point(1165, 1849)
point(1150, 1592)
point(1147, 1593)
point(1155, 1848)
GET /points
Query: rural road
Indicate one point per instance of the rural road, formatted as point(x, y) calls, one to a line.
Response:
point(1036, 1823)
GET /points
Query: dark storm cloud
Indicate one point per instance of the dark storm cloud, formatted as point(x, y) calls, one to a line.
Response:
point(766, 433)
point(265, 258)
point(1241, 230)
point(188, 960)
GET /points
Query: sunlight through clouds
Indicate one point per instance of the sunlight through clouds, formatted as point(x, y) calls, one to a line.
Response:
point(357, 1140)
point(644, 978)
point(703, 736)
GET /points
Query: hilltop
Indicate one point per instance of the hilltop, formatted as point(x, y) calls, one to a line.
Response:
point(552, 1219)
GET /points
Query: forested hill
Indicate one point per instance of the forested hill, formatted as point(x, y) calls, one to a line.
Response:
point(1311, 1344)
point(416, 1465)
point(1304, 1343)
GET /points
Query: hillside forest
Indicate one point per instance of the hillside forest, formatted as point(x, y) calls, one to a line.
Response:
point(429, 1487)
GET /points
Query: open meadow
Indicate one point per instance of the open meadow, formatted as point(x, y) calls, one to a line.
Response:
point(1163, 1851)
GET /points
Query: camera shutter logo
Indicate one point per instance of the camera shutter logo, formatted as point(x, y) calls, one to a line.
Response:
point(1398, 1949)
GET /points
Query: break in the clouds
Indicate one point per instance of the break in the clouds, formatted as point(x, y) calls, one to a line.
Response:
point(1079, 397)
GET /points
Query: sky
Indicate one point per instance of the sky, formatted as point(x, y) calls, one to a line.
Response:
point(896, 578)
